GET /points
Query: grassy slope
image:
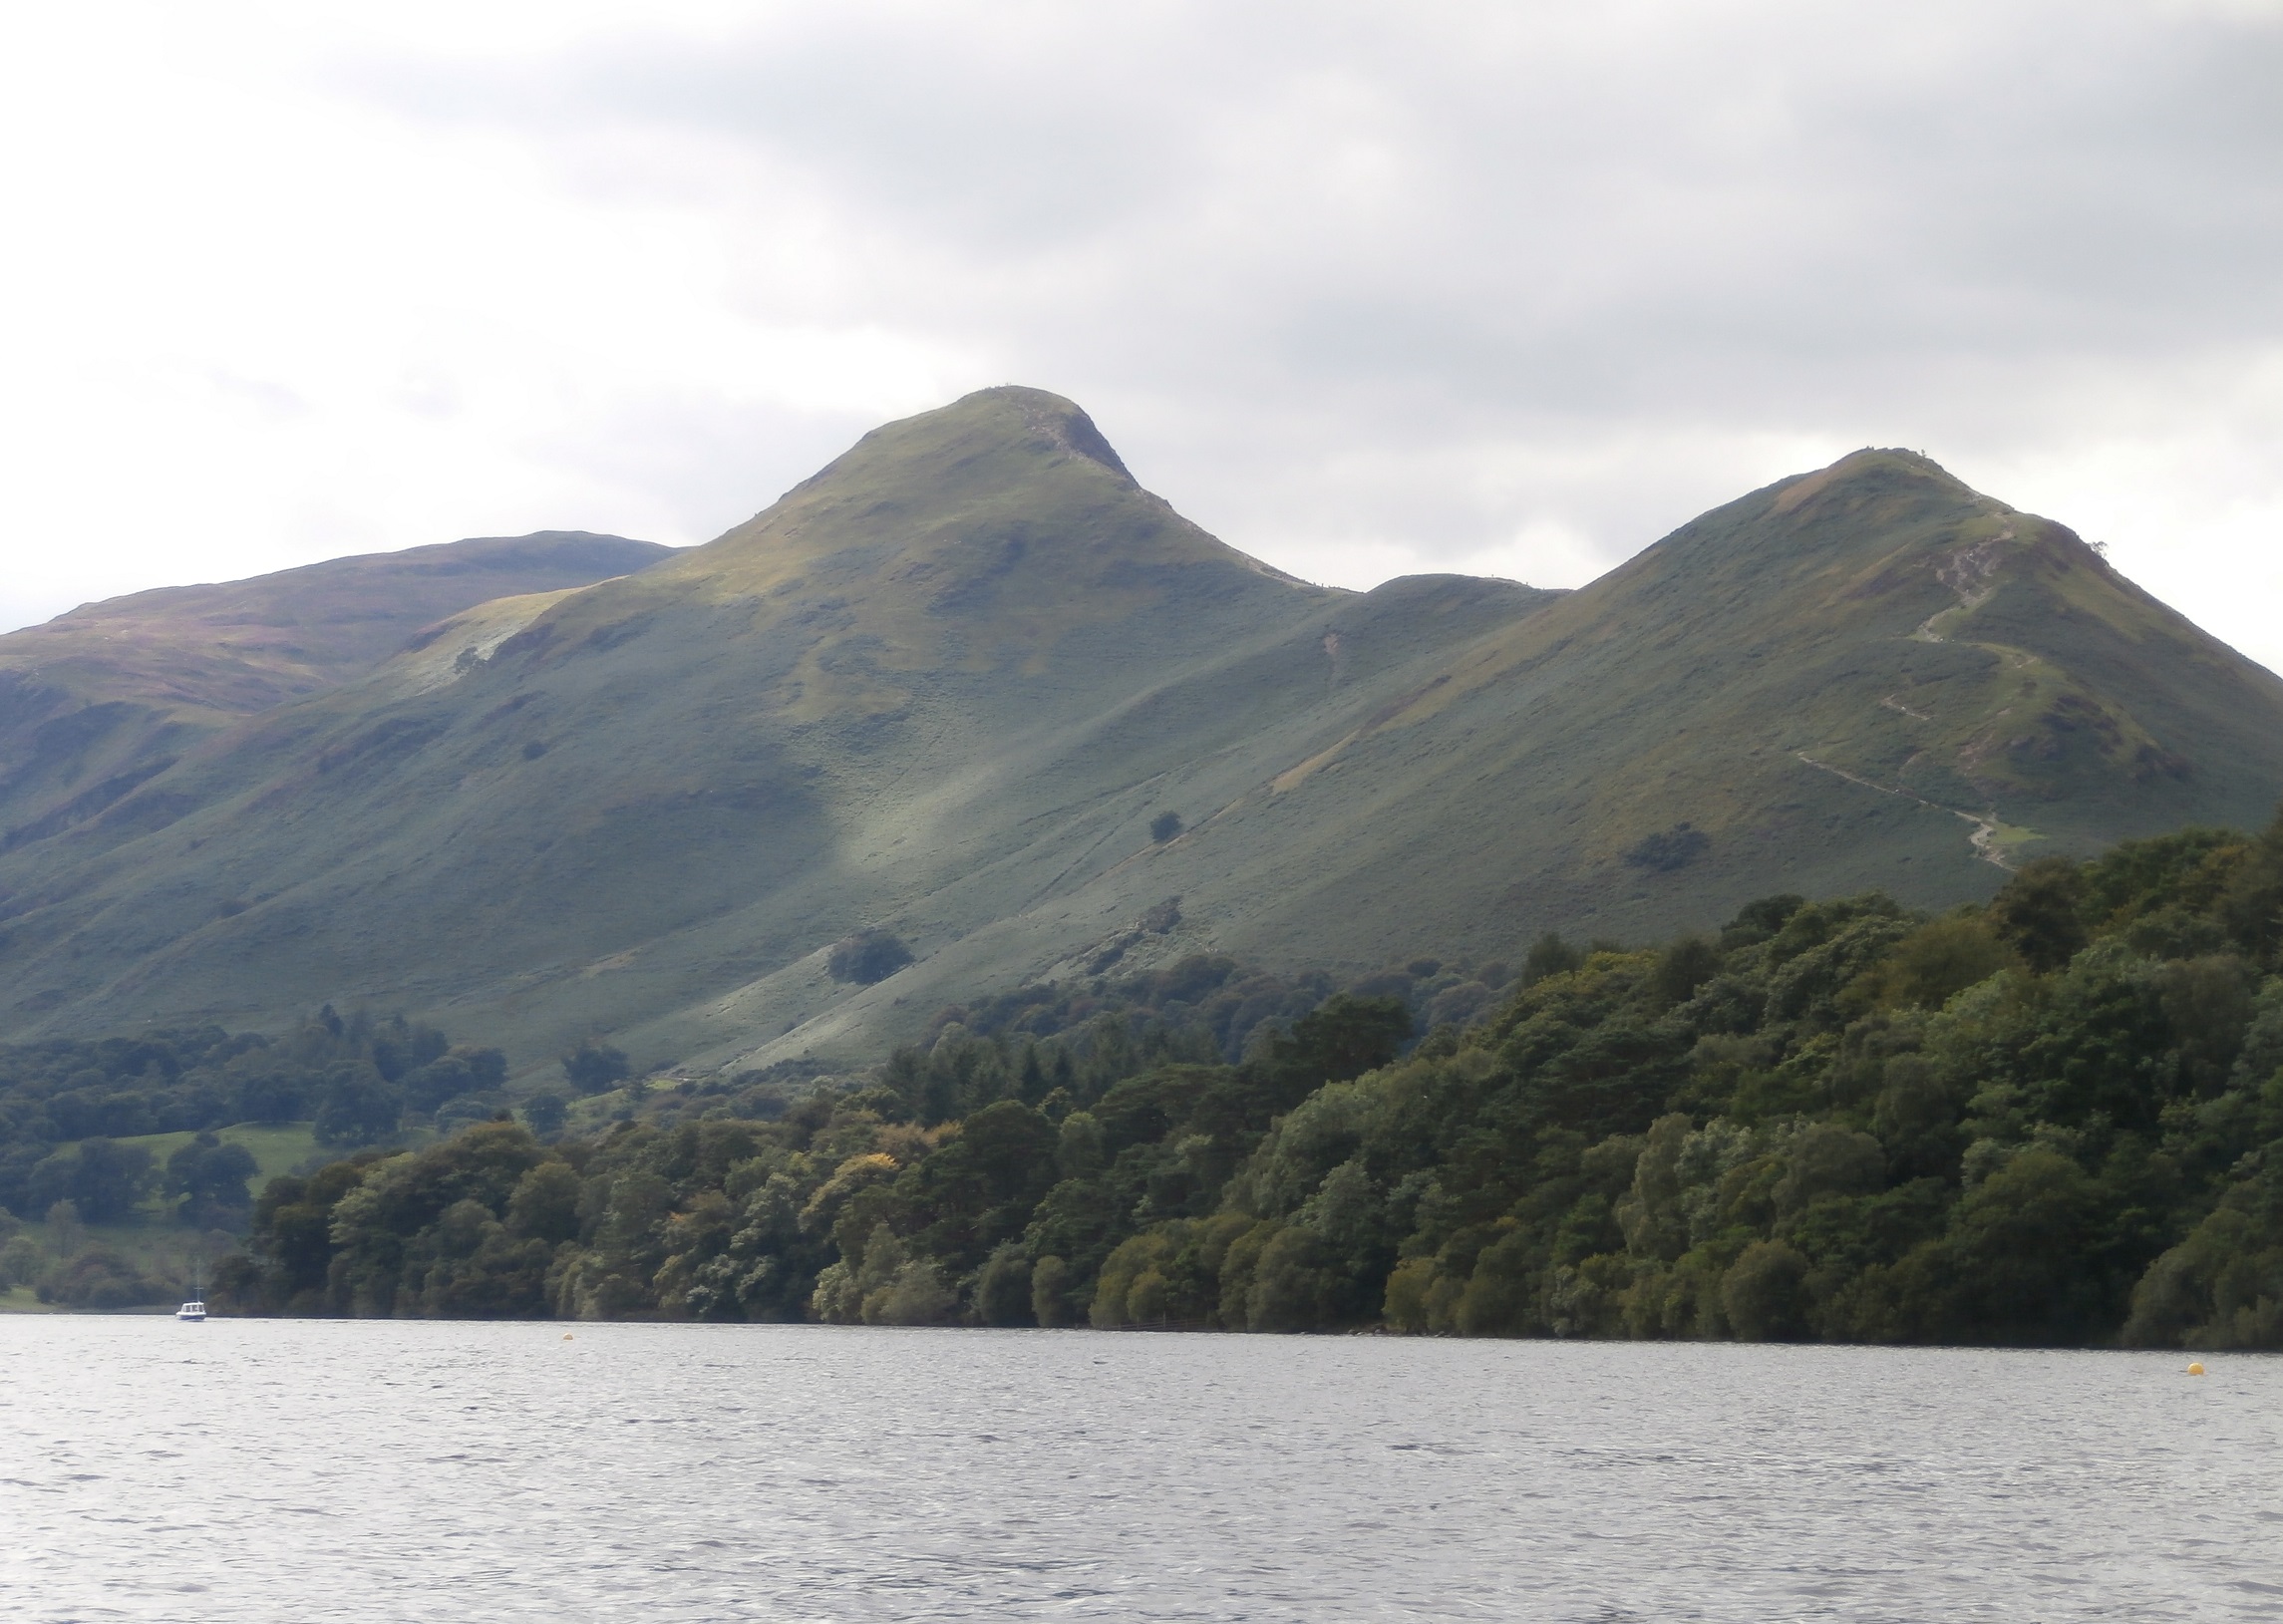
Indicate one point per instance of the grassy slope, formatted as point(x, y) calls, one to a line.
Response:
point(96, 700)
point(1767, 674)
point(673, 780)
point(945, 685)
point(1731, 676)
point(277, 1148)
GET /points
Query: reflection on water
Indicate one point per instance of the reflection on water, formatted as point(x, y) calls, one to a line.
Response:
point(265, 1471)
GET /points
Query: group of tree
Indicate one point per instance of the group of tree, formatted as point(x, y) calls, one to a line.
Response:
point(205, 1180)
point(1217, 1008)
point(2056, 1118)
point(1081, 1035)
point(724, 1217)
point(64, 1103)
point(867, 957)
point(66, 1267)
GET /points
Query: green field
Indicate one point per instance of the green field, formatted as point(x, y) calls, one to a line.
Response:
point(277, 1148)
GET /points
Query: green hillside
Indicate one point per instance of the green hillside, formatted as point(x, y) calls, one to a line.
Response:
point(1869, 675)
point(946, 687)
point(97, 701)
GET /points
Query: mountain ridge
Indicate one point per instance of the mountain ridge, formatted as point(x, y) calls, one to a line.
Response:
point(945, 686)
point(106, 696)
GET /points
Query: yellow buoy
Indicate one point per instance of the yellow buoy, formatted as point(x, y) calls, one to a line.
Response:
point(567, 1336)
point(2195, 1369)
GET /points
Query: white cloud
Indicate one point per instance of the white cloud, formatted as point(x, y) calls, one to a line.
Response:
point(1512, 288)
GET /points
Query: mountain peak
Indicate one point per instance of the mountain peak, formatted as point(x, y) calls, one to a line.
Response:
point(1009, 492)
point(1004, 433)
point(1865, 473)
point(1062, 422)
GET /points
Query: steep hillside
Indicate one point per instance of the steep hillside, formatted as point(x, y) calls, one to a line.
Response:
point(99, 700)
point(946, 686)
point(1870, 675)
point(881, 693)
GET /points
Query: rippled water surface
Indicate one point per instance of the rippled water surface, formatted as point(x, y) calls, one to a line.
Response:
point(265, 1471)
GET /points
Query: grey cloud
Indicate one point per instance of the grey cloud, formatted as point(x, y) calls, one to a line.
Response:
point(1355, 236)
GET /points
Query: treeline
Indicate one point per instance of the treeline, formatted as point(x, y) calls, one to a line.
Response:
point(64, 1103)
point(2054, 1120)
point(1082, 1036)
point(75, 1271)
point(1220, 1008)
point(725, 1219)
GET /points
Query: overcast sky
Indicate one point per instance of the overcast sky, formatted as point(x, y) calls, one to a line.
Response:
point(1506, 287)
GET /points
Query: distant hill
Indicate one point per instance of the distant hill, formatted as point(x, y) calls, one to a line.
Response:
point(950, 688)
point(97, 701)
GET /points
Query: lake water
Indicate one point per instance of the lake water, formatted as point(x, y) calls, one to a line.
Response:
point(267, 1471)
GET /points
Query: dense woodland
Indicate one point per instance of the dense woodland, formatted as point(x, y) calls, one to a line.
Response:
point(70, 1111)
point(2056, 1118)
point(1083, 1035)
point(64, 1103)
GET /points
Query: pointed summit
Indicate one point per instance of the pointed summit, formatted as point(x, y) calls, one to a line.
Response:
point(1872, 466)
point(1062, 424)
point(1007, 424)
point(992, 528)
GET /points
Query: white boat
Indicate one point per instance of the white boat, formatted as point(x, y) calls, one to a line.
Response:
point(196, 1309)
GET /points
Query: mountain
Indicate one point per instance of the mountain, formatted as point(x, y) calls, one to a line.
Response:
point(97, 701)
point(945, 686)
